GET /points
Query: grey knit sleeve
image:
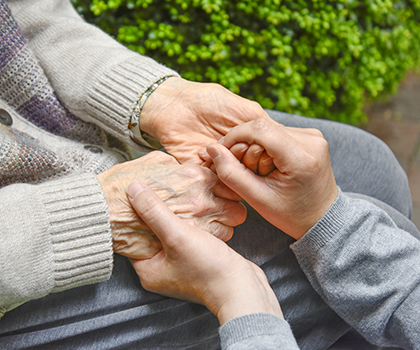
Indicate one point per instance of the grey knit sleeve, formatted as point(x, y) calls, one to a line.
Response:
point(257, 331)
point(53, 236)
point(367, 270)
point(95, 77)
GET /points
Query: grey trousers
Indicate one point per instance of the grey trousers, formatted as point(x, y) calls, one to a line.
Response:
point(120, 314)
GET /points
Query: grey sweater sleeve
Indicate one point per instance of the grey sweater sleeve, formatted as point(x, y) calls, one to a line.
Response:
point(367, 270)
point(95, 77)
point(53, 236)
point(257, 331)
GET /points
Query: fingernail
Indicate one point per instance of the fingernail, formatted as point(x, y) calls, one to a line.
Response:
point(221, 140)
point(213, 152)
point(203, 154)
point(135, 188)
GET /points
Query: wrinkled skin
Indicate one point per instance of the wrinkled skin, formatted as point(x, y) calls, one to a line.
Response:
point(192, 192)
point(186, 116)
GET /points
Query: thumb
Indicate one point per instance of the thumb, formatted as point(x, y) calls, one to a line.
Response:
point(233, 173)
point(154, 212)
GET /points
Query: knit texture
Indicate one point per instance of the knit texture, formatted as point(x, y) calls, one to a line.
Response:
point(257, 331)
point(67, 241)
point(24, 86)
point(33, 156)
point(110, 78)
point(55, 235)
point(78, 225)
point(367, 270)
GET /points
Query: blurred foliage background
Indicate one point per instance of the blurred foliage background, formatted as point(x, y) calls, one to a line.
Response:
point(317, 58)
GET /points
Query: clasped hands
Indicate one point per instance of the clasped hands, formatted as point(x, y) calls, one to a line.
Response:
point(283, 173)
point(297, 185)
point(185, 117)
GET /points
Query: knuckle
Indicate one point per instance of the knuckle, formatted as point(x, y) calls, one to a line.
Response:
point(222, 232)
point(163, 157)
point(323, 147)
point(262, 125)
point(190, 170)
point(195, 172)
point(216, 88)
point(316, 132)
point(147, 284)
point(233, 212)
point(315, 156)
point(242, 214)
point(257, 107)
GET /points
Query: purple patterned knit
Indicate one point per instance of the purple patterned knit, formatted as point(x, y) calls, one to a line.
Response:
point(24, 86)
point(10, 43)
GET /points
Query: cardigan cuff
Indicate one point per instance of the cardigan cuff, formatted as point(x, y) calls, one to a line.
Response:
point(331, 223)
point(79, 229)
point(116, 93)
point(257, 330)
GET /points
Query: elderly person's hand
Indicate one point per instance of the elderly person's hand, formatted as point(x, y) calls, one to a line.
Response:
point(194, 265)
point(300, 190)
point(192, 192)
point(186, 116)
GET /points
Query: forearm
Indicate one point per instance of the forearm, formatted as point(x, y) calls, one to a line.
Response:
point(367, 270)
point(54, 236)
point(95, 77)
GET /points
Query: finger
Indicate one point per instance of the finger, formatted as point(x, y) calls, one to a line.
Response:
point(204, 155)
point(222, 191)
point(212, 168)
point(278, 142)
point(207, 161)
point(207, 164)
point(238, 150)
point(252, 156)
point(232, 214)
point(154, 212)
point(235, 175)
point(220, 231)
point(265, 164)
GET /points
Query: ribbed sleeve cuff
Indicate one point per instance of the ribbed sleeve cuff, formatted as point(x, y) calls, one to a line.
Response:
point(117, 92)
point(326, 227)
point(79, 229)
point(256, 331)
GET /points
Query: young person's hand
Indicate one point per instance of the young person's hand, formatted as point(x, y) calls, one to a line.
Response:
point(194, 265)
point(300, 190)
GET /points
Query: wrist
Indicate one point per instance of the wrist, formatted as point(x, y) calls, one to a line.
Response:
point(312, 217)
point(153, 102)
point(245, 306)
point(250, 293)
point(138, 134)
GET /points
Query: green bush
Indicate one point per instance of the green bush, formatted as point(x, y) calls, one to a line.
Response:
point(318, 58)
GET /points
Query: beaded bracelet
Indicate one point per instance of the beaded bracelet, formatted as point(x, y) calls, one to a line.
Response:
point(134, 122)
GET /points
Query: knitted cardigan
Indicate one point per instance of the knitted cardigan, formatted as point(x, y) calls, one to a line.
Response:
point(51, 58)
